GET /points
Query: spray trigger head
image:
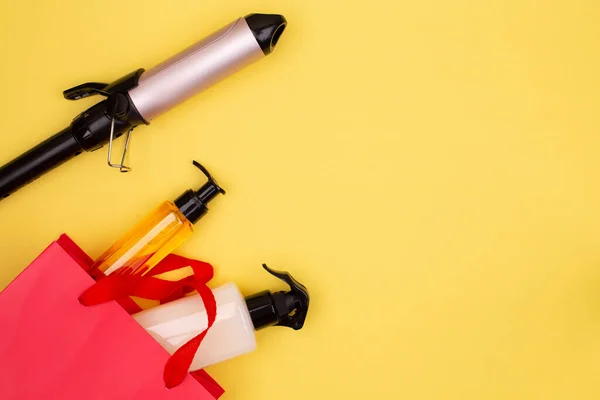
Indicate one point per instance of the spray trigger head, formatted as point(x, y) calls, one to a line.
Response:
point(291, 306)
point(280, 308)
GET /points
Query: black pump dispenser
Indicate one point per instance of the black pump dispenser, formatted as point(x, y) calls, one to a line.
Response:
point(194, 204)
point(280, 308)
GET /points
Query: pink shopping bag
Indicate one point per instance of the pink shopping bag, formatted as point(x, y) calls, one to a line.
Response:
point(54, 347)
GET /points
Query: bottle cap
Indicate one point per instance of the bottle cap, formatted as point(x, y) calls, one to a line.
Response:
point(194, 204)
point(280, 308)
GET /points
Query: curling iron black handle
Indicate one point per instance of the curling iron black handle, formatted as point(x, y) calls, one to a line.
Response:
point(40, 159)
point(88, 132)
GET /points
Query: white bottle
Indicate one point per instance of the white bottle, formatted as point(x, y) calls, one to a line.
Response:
point(174, 323)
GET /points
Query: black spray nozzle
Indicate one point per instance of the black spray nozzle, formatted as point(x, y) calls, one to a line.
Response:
point(267, 29)
point(281, 308)
point(194, 204)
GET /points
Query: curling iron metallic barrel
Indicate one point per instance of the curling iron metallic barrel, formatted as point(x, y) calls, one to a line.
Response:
point(141, 96)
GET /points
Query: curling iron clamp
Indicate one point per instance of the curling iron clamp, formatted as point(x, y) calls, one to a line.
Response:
point(139, 97)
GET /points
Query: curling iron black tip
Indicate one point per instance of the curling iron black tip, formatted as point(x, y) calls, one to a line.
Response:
point(267, 29)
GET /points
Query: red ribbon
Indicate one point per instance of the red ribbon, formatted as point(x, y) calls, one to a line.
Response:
point(118, 286)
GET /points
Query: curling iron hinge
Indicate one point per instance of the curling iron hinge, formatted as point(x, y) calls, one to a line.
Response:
point(91, 127)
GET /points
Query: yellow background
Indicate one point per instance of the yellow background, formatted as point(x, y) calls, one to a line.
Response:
point(429, 169)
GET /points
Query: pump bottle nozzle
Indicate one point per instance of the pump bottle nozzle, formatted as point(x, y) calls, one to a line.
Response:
point(194, 204)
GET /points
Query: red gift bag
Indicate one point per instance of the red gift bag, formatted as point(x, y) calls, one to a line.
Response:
point(54, 347)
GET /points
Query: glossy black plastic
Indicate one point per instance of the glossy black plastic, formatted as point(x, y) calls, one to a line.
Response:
point(84, 90)
point(45, 156)
point(262, 309)
point(281, 308)
point(267, 29)
point(122, 84)
point(91, 128)
point(194, 204)
point(89, 131)
point(118, 103)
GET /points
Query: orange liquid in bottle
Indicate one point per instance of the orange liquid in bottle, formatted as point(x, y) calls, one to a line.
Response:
point(146, 244)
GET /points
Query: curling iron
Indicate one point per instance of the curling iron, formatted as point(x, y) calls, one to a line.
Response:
point(139, 97)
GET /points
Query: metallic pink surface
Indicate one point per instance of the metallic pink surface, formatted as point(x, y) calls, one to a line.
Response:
point(195, 69)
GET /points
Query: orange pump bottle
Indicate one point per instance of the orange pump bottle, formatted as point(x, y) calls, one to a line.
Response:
point(159, 233)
